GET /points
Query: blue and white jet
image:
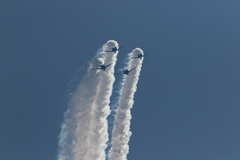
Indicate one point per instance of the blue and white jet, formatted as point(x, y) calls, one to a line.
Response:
point(103, 67)
point(114, 49)
point(140, 56)
point(126, 71)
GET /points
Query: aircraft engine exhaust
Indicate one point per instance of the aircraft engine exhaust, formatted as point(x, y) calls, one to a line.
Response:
point(84, 131)
point(121, 131)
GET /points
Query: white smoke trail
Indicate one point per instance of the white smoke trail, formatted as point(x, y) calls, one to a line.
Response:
point(82, 119)
point(79, 108)
point(101, 108)
point(115, 100)
point(121, 132)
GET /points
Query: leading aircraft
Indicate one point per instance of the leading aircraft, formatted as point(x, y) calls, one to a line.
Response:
point(140, 56)
point(126, 71)
point(114, 49)
point(103, 67)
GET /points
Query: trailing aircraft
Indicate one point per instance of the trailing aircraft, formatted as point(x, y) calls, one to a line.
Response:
point(114, 49)
point(126, 71)
point(140, 56)
point(103, 67)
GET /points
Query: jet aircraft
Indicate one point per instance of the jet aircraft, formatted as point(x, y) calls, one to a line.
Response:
point(140, 56)
point(114, 49)
point(126, 71)
point(103, 67)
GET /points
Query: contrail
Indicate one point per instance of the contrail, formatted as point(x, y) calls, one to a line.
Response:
point(84, 131)
point(78, 116)
point(101, 108)
point(115, 100)
point(121, 131)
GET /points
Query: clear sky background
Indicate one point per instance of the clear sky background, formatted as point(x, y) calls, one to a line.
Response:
point(187, 105)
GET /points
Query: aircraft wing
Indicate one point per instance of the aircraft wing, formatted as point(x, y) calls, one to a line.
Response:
point(96, 68)
point(132, 69)
point(134, 57)
point(108, 51)
point(120, 73)
point(145, 54)
point(108, 65)
point(120, 47)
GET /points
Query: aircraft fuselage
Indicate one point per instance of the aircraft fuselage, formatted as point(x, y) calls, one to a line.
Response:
point(114, 49)
point(140, 56)
point(126, 71)
point(103, 67)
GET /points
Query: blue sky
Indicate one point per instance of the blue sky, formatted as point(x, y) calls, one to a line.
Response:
point(187, 103)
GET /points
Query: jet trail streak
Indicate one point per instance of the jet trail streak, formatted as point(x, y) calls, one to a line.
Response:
point(84, 131)
point(121, 131)
point(101, 108)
